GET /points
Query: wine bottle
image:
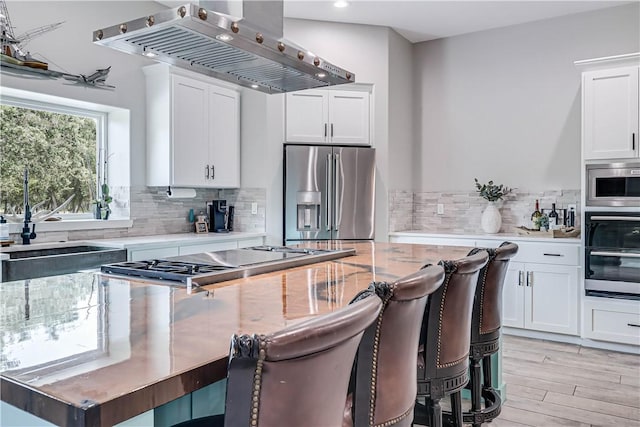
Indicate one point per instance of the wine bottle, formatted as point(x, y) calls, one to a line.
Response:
point(553, 217)
point(535, 217)
point(571, 220)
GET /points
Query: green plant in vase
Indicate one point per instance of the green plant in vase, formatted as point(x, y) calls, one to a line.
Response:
point(491, 220)
point(103, 210)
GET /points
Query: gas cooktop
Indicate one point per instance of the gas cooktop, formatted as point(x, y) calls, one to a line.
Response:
point(212, 267)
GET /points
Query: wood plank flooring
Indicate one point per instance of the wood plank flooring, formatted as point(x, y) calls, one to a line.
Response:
point(555, 384)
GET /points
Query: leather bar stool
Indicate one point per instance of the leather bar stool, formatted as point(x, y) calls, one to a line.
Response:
point(383, 386)
point(485, 333)
point(443, 359)
point(295, 377)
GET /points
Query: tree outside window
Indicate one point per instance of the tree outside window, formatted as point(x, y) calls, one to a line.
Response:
point(59, 148)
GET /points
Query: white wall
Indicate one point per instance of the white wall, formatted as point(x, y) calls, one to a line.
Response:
point(70, 49)
point(504, 104)
point(401, 131)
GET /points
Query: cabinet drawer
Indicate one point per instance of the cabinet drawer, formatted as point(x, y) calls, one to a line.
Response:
point(208, 247)
point(438, 241)
point(157, 253)
point(247, 243)
point(611, 322)
point(548, 253)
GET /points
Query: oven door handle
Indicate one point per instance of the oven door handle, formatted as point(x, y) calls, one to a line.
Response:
point(619, 254)
point(614, 218)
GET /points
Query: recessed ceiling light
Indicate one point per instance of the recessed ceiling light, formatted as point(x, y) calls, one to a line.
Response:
point(341, 3)
point(321, 75)
point(254, 86)
point(224, 37)
point(150, 54)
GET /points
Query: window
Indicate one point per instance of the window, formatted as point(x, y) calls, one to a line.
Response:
point(63, 149)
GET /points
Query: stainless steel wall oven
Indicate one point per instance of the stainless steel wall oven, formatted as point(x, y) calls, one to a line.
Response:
point(612, 254)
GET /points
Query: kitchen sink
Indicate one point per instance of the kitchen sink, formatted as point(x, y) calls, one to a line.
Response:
point(28, 263)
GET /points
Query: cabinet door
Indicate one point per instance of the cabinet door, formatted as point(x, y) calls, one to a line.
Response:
point(513, 296)
point(224, 137)
point(348, 117)
point(551, 298)
point(610, 108)
point(307, 116)
point(189, 141)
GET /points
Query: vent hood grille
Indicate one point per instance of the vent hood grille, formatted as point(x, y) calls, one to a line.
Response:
point(182, 38)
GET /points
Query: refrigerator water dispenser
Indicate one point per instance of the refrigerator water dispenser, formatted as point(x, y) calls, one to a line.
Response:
point(308, 210)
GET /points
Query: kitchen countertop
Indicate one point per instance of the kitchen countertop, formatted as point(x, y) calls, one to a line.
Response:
point(162, 240)
point(497, 236)
point(116, 348)
point(139, 242)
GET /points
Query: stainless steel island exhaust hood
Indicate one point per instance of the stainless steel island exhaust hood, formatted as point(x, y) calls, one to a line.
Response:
point(248, 51)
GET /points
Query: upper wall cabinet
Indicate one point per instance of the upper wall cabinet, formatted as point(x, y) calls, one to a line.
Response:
point(193, 131)
point(610, 110)
point(328, 116)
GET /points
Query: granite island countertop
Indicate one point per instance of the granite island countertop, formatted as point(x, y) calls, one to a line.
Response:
point(87, 349)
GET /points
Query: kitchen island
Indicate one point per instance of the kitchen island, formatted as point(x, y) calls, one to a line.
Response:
point(87, 349)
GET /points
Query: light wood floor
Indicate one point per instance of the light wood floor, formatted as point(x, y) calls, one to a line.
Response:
point(556, 384)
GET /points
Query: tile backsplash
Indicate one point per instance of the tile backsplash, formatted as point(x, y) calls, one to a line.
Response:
point(462, 210)
point(153, 212)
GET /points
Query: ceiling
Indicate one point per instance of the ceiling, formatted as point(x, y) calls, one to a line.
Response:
point(422, 20)
point(419, 21)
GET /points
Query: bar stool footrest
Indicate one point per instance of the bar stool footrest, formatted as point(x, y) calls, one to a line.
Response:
point(479, 417)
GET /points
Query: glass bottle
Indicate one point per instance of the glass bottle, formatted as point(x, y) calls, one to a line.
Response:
point(553, 217)
point(535, 217)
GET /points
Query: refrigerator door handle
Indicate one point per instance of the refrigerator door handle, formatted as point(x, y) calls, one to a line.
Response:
point(337, 191)
point(328, 190)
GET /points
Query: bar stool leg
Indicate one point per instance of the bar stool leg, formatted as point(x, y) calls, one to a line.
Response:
point(456, 409)
point(486, 374)
point(435, 412)
point(476, 388)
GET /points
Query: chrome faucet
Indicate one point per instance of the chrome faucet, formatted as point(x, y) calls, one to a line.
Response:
point(27, 235)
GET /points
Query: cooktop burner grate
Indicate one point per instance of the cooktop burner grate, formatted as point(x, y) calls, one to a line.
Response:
point(162, 269)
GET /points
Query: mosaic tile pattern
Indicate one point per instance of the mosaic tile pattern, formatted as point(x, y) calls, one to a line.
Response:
point(462, 211)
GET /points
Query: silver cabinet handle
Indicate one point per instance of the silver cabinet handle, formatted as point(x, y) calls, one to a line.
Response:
point(331, 130)
point(619, 254)
point(529, 278)
point(213, 172)
point(615, 218)
point(520, 278)
point(328, 164)
point(337, 202)
point(206, 175)
point(325, 130)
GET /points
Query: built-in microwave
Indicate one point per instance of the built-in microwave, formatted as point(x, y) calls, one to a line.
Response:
point(613, 184)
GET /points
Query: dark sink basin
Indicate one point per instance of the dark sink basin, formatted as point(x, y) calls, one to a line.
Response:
point(32, 263)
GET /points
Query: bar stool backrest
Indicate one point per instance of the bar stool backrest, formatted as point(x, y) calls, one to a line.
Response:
point(298, 376)
point(487, 306)
point(385, 370)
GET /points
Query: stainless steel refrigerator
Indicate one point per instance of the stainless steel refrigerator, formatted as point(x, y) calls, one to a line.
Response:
point(329, 193)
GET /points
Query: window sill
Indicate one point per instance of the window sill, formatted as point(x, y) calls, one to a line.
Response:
point(74, 224)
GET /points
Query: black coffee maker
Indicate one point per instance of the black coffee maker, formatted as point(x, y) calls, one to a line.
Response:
point(220, 216)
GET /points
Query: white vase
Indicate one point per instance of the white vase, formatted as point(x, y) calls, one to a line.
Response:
point(491, 219)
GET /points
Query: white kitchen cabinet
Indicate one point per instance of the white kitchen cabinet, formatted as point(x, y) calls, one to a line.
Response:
point(610, 122)
point(612, 320)
point(328, 116)
point(610, 110)
point(541, 297)
point(193, 131)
